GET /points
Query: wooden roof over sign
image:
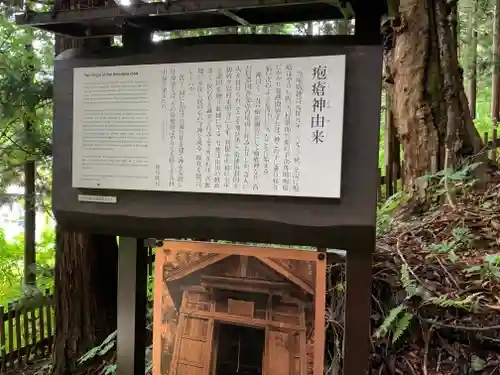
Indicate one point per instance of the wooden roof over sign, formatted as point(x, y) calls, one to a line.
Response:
point(173, 15)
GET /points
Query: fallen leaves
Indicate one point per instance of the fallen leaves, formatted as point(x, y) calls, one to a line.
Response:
point(453, 254)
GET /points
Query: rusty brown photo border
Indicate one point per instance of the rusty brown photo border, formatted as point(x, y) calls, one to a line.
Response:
point(320, 260)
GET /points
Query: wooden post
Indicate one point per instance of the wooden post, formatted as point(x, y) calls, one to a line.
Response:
point(388, 146)
point(379, 185)
point(396, 161)
point(34, 335)
point(487, 148)
point(48, 310)
point(27, 347)
point(132, 301)
point(41, 318)
point(3, 352)
point(18, 337)
point(495, 145)
point(388, 181)
point(10, 327)
point(402, 174)
point(358, 305)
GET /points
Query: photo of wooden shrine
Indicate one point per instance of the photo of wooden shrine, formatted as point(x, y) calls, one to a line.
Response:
point(225, 309)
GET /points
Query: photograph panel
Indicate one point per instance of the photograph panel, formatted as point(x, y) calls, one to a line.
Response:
point(223, 309)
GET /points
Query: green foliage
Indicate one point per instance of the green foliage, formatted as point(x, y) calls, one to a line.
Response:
point(400, 317)
point(100, 350)
point(477, 364)
point(26, 61)
point(483, 17)
point(448, 181)
point(462, 240)
point(396, 323)
point(151, 281)
point(104, 349)
point(489, 268)
point(445, 301)
point(11, 266)
point(385, 212)
point(409, 285)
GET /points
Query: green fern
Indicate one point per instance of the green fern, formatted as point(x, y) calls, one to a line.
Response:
point(109, 370)
point(99, 350)
point(446, 302)
point(490, 268)
point(388, 323)
point(401, 326)
point(397, 323)
point(458, 180)
point(399, 318)
point(462, 239)
point(408, 283)
point(386, 210)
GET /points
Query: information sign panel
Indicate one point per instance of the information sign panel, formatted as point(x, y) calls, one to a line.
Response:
point(268, 139)
point(260, 127)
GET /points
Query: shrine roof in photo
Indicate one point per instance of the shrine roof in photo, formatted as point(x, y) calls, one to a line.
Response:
point(175, 15)
point(241, 273)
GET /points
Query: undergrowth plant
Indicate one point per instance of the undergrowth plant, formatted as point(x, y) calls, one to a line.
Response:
point(489, 268)
point(385, 212)
point(399, 318)
point(462, 239)
point(451, 182)
point(12, 288)
point(105, 348)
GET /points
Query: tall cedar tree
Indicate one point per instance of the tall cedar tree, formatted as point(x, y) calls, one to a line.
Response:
point(429, 104)
point(86, 272)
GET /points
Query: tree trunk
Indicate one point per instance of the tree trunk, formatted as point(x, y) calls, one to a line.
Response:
point(429, 104)
point(471, 58)
point(85, 295)
point(29, 279)
point(86, 274)
point(495, 99)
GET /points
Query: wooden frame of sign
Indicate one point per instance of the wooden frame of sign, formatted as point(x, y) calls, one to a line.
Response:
point(336, 210)
point(132, 165)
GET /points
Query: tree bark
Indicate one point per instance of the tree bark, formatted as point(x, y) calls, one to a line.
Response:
point(86, 274)
point(471, 58)
point(429, 104)
point(495, 100)
point(85, 295)
point(29, 279)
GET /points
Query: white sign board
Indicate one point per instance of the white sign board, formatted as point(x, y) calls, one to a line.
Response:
point(260, 127)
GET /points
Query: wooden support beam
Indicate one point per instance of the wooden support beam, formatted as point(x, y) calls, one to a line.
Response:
point(234, 17)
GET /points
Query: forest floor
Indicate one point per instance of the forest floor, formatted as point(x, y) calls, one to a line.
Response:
point(436, 286)
point(436, 289)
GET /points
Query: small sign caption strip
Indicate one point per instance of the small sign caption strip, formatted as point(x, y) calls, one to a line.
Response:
point(96, 198)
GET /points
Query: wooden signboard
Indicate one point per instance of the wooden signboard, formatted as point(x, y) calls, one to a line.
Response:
point(242, 138)
point(225, 309)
